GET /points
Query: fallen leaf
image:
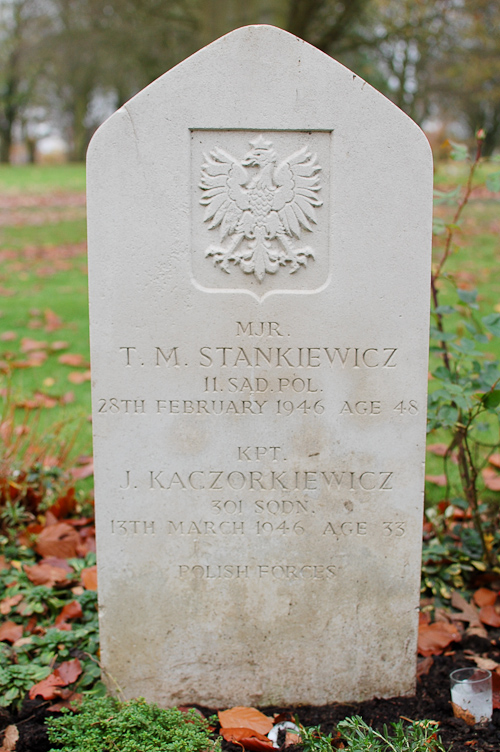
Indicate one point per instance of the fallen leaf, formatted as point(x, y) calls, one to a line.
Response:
point(79, 473)
point(494, 459)
point(468, 613)
point(59, 345)
point(484, 597)
point(69, 700)
point(437, 480)
point(491, 479)
point(424, 665)
point(482, 661)
point(10, 738)
point(28, 345)
point(79, 377)
point(249, 738)
point(45, 574)
point(490, 615)
point(89, 578)
point(248, 718)
point(73, 359)
point(434, 638)
point(438, 449)
point(465, 715)
point(52, 321)
point(8, 603)
point(8, 336)
point(67, 673)
point(70, 611)
point(10, 632)
point(58, 540)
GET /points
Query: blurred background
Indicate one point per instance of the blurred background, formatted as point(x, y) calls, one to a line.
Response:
point(66, 65)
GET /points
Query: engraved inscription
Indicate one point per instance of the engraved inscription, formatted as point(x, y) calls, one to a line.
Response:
point(260, 205)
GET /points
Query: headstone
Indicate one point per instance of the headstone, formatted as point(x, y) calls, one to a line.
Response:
point(259, 250)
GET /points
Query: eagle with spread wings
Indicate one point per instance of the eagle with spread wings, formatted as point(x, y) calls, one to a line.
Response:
point(260, 206)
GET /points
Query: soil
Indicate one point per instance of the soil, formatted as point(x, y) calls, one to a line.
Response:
point(432, 701)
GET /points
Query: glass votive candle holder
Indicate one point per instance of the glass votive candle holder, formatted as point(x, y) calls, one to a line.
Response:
point(471, 694)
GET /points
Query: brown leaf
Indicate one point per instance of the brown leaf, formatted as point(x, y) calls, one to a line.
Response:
point(490, 615)
point(69, 700)
point(28, 345)
point(10, 632)
point(10, 738)
point(468, 613)
point(491, 479)
point(8, 603)
point(465, 715)
point(70, 611)
point(67, 673)
point(45, 574)
point(438, 449)
point(8, 336)
point(59, 345)
point(248, 718)
point(424, 665)
point(437, 480)
point(58, 540)
point(52, 321)
point(73, 359)
point(79, 377)
point(482, 661)
point(434, 638)
point(484, 597)
point(249, 738)
point(89, 578)
point(494, 459)
point(78, 473)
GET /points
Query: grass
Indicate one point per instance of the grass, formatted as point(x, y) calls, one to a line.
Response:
point(65, 178)
point(43, 295)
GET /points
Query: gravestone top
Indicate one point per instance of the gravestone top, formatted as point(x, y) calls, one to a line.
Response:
point(259, 263)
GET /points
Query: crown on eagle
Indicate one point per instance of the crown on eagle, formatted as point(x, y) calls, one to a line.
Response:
point(261, 143)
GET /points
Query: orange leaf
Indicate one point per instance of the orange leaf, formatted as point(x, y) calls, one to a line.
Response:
point(71, 610)
point(84, 471)
point(10, 632)
point(438, 480)
point(490, 616)
point(72, 359)
point(89, 578)
point(434, 638)
point(8, 603)
point(69, 671)
point(27, 345)
point(494, 459)
point(58, 540)
point(484, 597)
point(45, 574)
point(439, 449)
point(248, 718)
point(52, 321)
point(67, 698)
point(47, 688)
point(79, 377)
point(491, 479)
point(249, 738)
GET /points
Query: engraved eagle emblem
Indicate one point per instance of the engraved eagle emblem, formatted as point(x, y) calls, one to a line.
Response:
point(260, 206)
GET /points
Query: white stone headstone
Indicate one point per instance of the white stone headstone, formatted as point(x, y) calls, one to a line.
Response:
point(259, 250)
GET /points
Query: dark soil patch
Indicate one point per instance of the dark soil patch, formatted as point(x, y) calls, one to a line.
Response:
point(432, 701)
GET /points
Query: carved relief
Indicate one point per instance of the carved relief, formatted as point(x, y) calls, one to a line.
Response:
point(260, 206)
